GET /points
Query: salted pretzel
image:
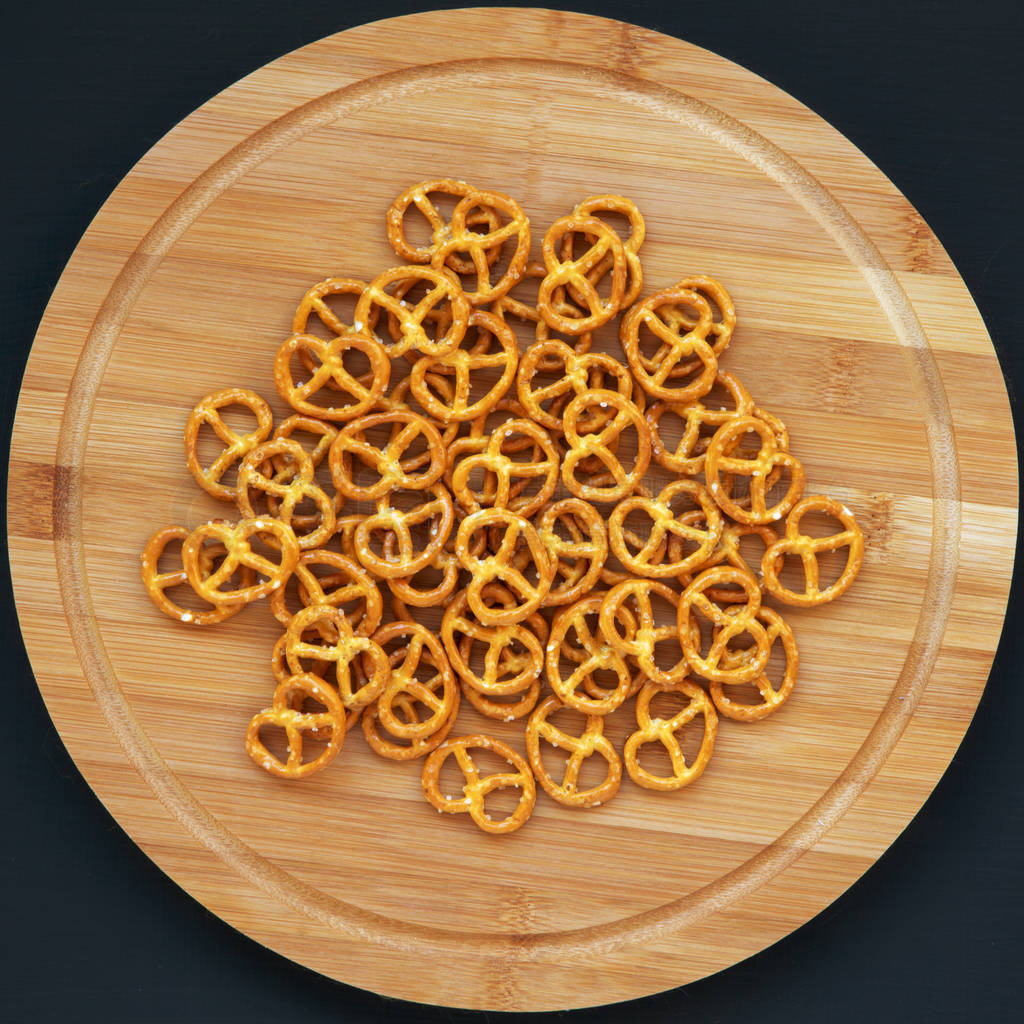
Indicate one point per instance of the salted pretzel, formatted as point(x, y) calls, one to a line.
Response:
point(808, 548)
point(477, 786)
point(444, 297)
point(394, 749)
point(575, 376)
point(463, 365)
point(603, 204)
point(720, 664)
point(327, 359)
point(723, 316)
point(401, 399)
point(398, 556)
point(329, 724)
point(589, 653)
point(207, 412)
point(579, 556)
point(505, 471)
point(236, 540)
point(334, 642)
point(158, 583)
point(315, 306)
point(772, 695)
point(665, 730)
point(477, 247)
point(484, 569)
point(641, 639)
point(727, 551)
point(719, 460)
point(346, 583)
point(513, 655)
point(599, 444)
point(419, 195)
point(565, 271)
point(637, 554)
point(353, 445)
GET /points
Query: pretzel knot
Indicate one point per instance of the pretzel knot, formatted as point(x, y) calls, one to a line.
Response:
point(761, 469)
point(646, 560)
point(386, 461)
point(443, 304)
point(501, 565)
point(336, 643)
point(600, 443)
point(772, 696)
point(286, 489)
point(236, 540)
point(564, 271)
point(503, 471)
point(665, 731)
point(590, 654)
point(476, 786)
point(720, 663)
point(325, 358)
point(594, 207)
point(286, 713)
point(236, 446)
point(808, 549)
point(579, 557)
point(579, 748)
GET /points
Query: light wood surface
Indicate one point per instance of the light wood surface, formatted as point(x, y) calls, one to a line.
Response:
point(853, 327)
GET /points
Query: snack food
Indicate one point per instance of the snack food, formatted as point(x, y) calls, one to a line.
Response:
point(446, 498)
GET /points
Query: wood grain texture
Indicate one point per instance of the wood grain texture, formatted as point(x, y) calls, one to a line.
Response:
point(854, 328)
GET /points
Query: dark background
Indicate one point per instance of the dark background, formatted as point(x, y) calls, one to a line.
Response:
point(91, 929)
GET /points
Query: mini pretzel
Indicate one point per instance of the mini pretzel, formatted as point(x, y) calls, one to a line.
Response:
point(462, 365)
point(504, 470)
point(238, 556)
point(578, 558)
point(386, 462)
point(591, 653)
point(340, 646)
point(666, 523)
point(347, 582)
point(663, 731)
point(772, 696)
point(641, 641)
point(719, 461)
point(327, 359)
point(594, 207)
point(314, 304)
point(720, 664)
point(679, 348)
point(575, 376)
point(478, 248)
point(400, 558)
point(408, 591)
point(477, 787)
point(287, 489)
point(599, 444)
point(564, 271)
point(158, 583)
point(236, 446)
point(500, 565)
point(444, 297)
point(593, 741)
point(808, 549)
point(419, 196)
point(296, 723)
point(379, 741)
point(723, 316)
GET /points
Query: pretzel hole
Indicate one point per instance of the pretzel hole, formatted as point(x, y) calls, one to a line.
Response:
point(275, 739)
point(209, 448)
point(342, 306)
point(831, 565)
point(816, 523)
point(265, 546)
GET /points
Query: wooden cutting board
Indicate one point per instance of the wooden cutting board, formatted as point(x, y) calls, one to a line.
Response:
point(853, 327)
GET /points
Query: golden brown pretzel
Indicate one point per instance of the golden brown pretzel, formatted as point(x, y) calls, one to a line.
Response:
point(808, 548)
point(236, 539)
point(649, 558)
point(720, 461)
point(418, 195)
point(327, 359)
point(394, 749)
point(476, 786)
point(663, 731)
point(328, 724)
point(407, 427)
point(158, 583)
point(594, 207)
point(236, 446)
point(564, 271)
point(580, 556)
point(314, 303)
point(728, 551)
point(579, 748)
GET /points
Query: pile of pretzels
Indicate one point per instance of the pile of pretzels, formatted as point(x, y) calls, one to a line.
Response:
point(510, 491)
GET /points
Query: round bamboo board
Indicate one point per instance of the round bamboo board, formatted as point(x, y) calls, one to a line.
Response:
point(854, 327)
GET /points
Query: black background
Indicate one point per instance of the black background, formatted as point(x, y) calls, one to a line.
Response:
point(91, 929)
